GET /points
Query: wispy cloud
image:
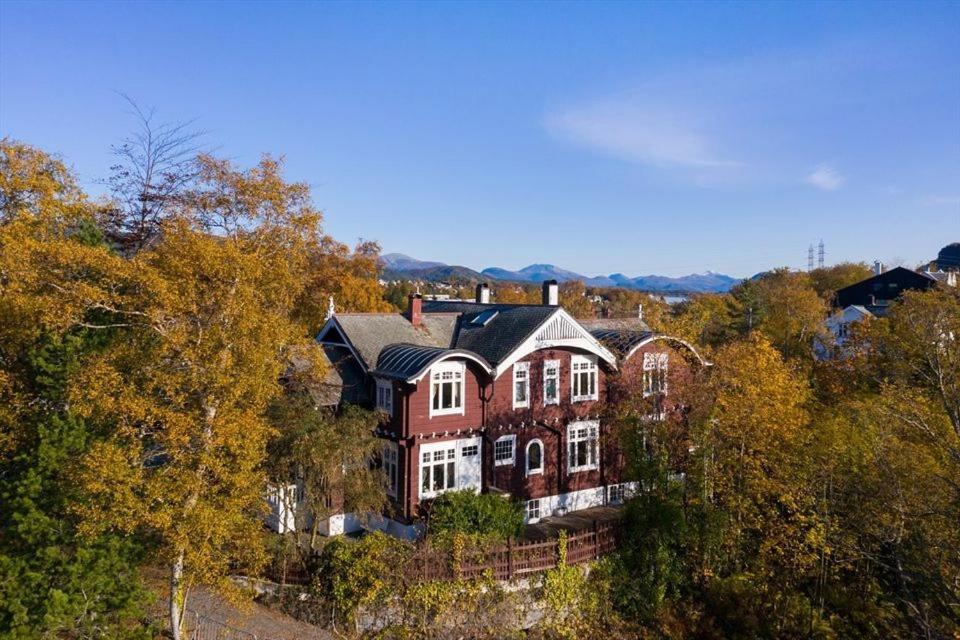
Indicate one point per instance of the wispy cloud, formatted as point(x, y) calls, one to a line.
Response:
point(626, 129)
point(826, 178)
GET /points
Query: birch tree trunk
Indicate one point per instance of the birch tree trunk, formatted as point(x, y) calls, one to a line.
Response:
point(178, 597)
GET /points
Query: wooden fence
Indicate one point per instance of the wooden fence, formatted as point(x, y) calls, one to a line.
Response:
point(516, 559)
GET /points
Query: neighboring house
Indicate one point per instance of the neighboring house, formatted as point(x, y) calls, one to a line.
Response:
point(498, 398)
point(871, 298)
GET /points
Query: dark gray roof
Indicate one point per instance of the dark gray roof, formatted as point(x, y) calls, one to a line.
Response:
point(369, 333)
point(408, 361)
point(501, 334)
point(620, 341)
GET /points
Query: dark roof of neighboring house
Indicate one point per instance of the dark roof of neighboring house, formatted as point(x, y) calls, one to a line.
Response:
point(409, 361)
point(883, 287)
point(369, 333)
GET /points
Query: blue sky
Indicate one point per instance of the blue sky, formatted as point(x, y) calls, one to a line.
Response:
point(636, 138)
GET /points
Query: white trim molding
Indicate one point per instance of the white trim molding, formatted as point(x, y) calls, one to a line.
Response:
point(526, 457)
point(521, 379)
point(559, 330)
point(443, 374)
point(504, 462)
point(551, 373)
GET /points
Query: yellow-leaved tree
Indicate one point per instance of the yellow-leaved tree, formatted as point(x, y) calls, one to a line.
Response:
point(209, 312)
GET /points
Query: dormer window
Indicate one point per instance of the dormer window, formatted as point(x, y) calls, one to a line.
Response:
point(583, 370)
point(521, 385)
point(446, 388)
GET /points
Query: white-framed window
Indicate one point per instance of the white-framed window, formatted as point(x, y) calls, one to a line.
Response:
point(503, 450)
point(654, 374)
point(521, 385)
point(390, 467)
point(551, 382)
point(583, 377)
point(446, 388)
point(385, 396)
point(533, 510)
point(615, 494)
point(582, 445)
point(534, 457)
point(438, 470)
point(470, 450)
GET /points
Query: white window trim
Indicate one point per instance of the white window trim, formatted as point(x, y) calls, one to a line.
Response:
point(390, 450)
point(528, 507)
point(589, 424)
point(526, 457)
point(652, 365)
point(513, 451)
point(517, 368)
point(556, 397)
point(383, 384)
point(453, 367)
point(591, 360)
point(430, 450)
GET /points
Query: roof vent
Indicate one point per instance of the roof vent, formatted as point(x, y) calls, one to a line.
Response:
point(484, 318)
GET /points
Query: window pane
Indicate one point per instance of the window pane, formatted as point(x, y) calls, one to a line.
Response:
point(425, 480)
point(447, 391)
point(457, 400)
point(436, 395)
point(450, 475)
point(438, 477)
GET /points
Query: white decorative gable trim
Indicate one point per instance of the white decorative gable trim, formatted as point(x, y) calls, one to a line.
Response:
point(560, 330)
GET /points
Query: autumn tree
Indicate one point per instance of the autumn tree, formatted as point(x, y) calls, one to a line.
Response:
point(826, 281)
point(330, 456)
point(154, 166)
point(52, 580)
point(574, 298)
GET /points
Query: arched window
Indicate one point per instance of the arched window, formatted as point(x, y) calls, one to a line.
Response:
point(534, 457)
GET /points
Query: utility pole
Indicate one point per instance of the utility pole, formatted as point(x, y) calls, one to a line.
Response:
point(820, 254)
point(810, 258)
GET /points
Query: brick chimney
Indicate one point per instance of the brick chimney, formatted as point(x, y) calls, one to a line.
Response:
point(415, 309)
point(483, 293)
point(551, 293)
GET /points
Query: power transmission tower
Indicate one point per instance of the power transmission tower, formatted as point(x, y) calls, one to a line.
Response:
point(810, 258)
point(820, 254)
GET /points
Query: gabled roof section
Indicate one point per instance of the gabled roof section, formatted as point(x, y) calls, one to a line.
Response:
point(410, 362)
point(366, 334)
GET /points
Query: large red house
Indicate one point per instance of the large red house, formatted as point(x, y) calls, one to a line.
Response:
point(496, 398)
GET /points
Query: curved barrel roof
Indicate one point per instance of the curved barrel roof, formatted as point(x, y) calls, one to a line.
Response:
point(409, 362)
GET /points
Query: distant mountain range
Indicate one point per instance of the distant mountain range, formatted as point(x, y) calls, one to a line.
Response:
point(402, 267)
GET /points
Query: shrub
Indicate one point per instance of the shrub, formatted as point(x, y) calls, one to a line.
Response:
point(486, 516)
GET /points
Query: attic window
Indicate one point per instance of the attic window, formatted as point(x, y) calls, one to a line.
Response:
point(484, 318)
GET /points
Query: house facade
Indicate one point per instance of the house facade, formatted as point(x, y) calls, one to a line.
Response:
point(499, 398)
